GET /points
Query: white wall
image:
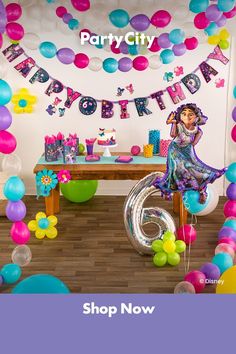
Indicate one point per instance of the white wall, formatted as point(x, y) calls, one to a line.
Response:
point(30, 129)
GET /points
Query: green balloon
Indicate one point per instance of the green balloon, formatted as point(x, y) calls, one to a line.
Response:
point(79, 191)
point(160, 259)
point(180, 246)
point(168, 235)
point(173, 259)
point(157, 246)
point(81, 148)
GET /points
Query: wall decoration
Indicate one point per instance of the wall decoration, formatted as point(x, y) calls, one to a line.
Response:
point(130, 88)
point(179, 70)
point(220, 83)
point(23, 101)
point(87, 105)
point(46, 180)
point(169, 76)
point(120, 91)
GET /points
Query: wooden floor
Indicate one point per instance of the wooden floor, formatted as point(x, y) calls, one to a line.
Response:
point(93, 255)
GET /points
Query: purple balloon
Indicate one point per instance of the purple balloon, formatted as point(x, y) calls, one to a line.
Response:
point(66, 55)
point(140, 22)
point(231, 191)
point(124, 48)
point(211, 271)
point(1, 280)
point(163, 40)
point(125, 64)
point(67, 17)
point(234, 114)
point(226, 231)
point(5, 118)
point(222, 21)
point(213, 13)
point(179, 49)
point(15, 211)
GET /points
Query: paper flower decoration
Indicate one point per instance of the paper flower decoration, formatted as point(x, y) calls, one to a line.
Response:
point(23, 101)
point(220, 39)
point(64, 176)
point(46, 180)
point(43, 226)
point(167, 250)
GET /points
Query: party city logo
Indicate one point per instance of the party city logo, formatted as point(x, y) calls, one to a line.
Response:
point(130, 38)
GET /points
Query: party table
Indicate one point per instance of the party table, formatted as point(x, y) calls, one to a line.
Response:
point(107, 169)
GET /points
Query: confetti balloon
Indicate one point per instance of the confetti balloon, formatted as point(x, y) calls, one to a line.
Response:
point(184, 287)
point(21, 255)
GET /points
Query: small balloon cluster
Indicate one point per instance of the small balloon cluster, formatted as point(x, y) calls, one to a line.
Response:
point(67, 18)
point(23, 101)
point(14, 30)
point(43, 226)
point(167, 250)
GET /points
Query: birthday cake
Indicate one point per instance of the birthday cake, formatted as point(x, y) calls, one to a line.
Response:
point(106, 137)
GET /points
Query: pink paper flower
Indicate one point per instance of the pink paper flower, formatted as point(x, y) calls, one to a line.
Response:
point(64, 176)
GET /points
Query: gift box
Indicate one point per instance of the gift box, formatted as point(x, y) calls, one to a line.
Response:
point(164, 146)
point(50, 152)
point(59, 142)
point(69, 151)
point(148, 150)
point(75, 137)
point(154, 139)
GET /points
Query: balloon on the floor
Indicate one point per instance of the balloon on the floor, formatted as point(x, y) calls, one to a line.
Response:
point(192, 204)
point(184, 287)
point(11, 273)
point(21, 255)
point(41, 284)
point(227, 283)
point(44, 226)
point(135, 216)
point(79, 191)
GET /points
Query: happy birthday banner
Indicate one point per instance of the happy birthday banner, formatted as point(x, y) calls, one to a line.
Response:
point(88, 105)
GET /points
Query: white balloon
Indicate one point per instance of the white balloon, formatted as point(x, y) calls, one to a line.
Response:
point(189, 29)
point(155, 62)
point(63, 27)
point(35, 12)
point(3, 67)
point(11, 164)
point(21, 255)
point(95, 64)
point(26, 3)
point(48, 26)
point(202, 37)
point(180, 13)
point(33, 26)
point(213, 201)
point(31, 41)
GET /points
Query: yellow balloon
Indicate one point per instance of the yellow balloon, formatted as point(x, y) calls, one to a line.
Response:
point(17, 109)
point(28, 109)
point(224, 34)
point(227, 282)
point(40, 215)
point(31, 99)
point(169, 246)
point(53, 220)
point(213, 39)
point(40, 234)
point(51, 232)
point(32, 225)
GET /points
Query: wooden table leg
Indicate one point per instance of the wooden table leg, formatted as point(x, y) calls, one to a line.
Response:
point(176, 202)
point(53, 201)
point(179, 208)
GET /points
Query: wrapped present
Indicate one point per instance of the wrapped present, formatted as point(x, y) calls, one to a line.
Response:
point(69, 151)
point(154, 139)
point(148, 150)
point(164, 146)
point(75, 137)
point(59, 142)
point(51, 153)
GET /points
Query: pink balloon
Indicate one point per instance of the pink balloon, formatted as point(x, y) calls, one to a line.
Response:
point(15, 31)
point(231, 13)
point(230, 208)
point(233, 133)
point(140, 63)
point(197, 278)
point(225, 248)
point(20, 233)
point(191, 43)
point(200, 21)
point(7, 142)
point(114, 49)
point(187, 233)
point(81, 5)
point(161, 19)
point(61, 11)
point(13, 12)
point(229, 241)
point(1, 40)
point(81, 60)
point(84, 30)
point(155, 46)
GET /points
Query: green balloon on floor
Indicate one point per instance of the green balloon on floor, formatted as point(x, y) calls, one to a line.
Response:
point(79, 191)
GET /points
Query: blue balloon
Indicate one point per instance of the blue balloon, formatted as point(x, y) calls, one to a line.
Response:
point(167, 56)
point(235, 92)
point(110, 65)
point(223, 260)
point(11, 273)
point(133, 49)
point(191, 202)
point(119, 18)
point(5, 93)
point(14, 189)
point(176, 36)
point(48, 49)
point(230, 223)
point(43, 223)
point(22, 103)
point(198, 6)
point(41, 284)
point(226, 5)
point(231, 173)
point(211, 29)
point(73, 24)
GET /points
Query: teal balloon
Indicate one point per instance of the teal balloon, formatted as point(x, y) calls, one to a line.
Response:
point(223, 260)
point(22, 103)
point(79, 191)
point(5, 93)
point(43, 223)
point(198, 6)
point(11, 273)
point(235, 92)
point(41, 284)
point(176, 36)
point(231, 173)
point(110, 65)
point(73, 24)
point(230, 223)
point(191, 201)
point(167, 56)
point(225, 5)
point(48, 49)
point(14, 189)
point(99, 46)
point(119, 18)
point(133, 49)
point(211, 29)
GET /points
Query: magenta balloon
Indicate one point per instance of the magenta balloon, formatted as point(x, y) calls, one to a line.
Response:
point(81, 5)
point(222, 21)
point(125, 64)
point(163, 40)
point(140, 22)
point(15, 31)
point(66, 55)
point(124, 48)
point(230, 209)
point(234, 114)
point(231, 13)
point(213, 13)
point(13, 12)
point(233, 133)
point(161, 19)
point(5, 118)
point(20, 233)
point(16, 211)
point(140, 63)
point(179, 49)
point(7, 142)
point(1, 40)
point(200, 21)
